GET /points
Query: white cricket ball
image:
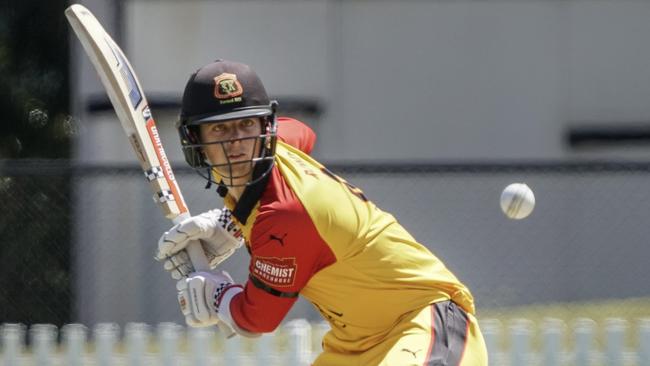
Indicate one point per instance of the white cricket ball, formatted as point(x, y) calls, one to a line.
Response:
point(517, 201)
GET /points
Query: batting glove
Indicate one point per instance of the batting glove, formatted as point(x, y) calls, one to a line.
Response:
point(217, 233)
point(205, 297)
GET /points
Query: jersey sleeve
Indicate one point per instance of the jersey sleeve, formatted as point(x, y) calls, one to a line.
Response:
point(286, 251)
point(296, 134)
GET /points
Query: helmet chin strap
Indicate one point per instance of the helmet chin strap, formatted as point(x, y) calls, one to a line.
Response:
point(261, 168)
point(222, 190)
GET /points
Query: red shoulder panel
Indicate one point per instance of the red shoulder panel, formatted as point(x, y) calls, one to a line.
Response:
point(296, 134)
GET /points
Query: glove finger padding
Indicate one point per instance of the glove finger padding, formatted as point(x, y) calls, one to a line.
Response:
point(178, 236)
point(218, 234)
point(179, 265)
point(180, 262)
point(177, 260)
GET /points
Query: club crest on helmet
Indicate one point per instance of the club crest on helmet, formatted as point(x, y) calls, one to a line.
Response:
point(227, 88)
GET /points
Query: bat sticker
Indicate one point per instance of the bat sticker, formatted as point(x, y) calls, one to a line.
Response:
point(135, 95)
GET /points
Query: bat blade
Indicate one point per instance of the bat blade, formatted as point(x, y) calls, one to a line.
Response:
point(130, 104)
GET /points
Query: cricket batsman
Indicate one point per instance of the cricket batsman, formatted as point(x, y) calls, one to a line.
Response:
point(387, 298)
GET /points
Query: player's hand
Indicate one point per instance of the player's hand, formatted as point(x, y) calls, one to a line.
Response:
point(201, 297)
point(218, 234)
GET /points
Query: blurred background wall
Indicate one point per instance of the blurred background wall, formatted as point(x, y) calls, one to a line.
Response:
point(405, 81)
point(488, 89)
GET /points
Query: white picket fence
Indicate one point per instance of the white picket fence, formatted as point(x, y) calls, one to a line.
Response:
point(519, 342)
point(582, 343)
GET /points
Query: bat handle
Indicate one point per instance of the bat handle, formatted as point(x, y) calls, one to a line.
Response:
point(200, 263)
point(194, 248)
point(197, 256)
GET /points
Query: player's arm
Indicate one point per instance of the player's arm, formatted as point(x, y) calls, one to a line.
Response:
point(296, 134)
point(286, 252)
point(214, 229)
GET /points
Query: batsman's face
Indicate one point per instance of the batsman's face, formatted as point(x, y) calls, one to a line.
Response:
point(231, 145)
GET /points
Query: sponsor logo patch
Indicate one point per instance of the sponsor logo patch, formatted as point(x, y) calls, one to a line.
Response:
point(160, 152)
point(279, 272)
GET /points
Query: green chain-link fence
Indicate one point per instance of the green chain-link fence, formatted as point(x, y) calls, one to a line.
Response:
point(76, 242)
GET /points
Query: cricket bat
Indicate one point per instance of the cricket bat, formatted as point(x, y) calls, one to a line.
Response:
point(130, 104)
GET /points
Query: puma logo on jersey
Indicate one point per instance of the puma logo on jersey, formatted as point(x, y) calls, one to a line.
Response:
point(280, 239)
point(411, 352)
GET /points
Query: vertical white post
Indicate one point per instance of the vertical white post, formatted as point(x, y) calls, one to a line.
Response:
point(584, 339)
point(615, 329)
point(168, 339)
point(644, 341)
point(552, 333)
point(136, 337)
point(199, 345)
point(318, 332)
point(299, 338)
point(266, 353)
point(106, 335)
point(492, 330)
point(520, 335)
point(43, 337)
point(74, 340)
point(13, 340)
point(233, 352)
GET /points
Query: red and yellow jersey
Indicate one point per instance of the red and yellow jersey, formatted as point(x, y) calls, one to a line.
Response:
point(309, 232)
